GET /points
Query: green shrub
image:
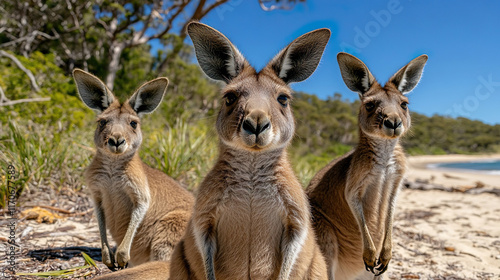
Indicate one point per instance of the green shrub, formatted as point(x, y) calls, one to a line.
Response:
point(40, 156)
point(64, 111)
point(184, 152)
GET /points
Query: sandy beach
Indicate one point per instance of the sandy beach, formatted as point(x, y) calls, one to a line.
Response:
point(447, 235)
point(451, 177)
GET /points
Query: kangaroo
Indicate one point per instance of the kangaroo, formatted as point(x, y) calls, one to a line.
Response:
point(353, 197)
point(251, 218)
point(154, 270)
point(145, 210)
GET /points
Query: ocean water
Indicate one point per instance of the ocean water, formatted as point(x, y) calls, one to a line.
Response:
point(486, 166)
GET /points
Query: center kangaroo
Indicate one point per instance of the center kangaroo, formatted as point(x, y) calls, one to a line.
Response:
point(251, 218)
point(145, 211)
point(353, 197)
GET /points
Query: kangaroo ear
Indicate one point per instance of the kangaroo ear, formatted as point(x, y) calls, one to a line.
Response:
point(149, 96)
point(407, 78)
point(356, 75)
point(300, 58)
point(217, 57)
point(92, 91)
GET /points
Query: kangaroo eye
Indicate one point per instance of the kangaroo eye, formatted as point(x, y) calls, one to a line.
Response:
point(102, 123)
point(283, 100)
point(404, 105)
point(133, 124)
point(230, 98)
point(369, 106)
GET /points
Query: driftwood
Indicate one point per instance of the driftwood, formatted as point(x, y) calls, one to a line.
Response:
point(65, 253)
point(494, 191)
point(60, 210)
point(425, 185)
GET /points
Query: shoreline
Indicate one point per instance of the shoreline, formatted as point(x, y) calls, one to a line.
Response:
point(419, 170)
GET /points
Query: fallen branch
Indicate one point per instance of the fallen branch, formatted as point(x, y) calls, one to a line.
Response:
point(64, 211)
point(479, 191)
point(51, 208)
point(424, 185)
point(83, 213)
point(472, 255)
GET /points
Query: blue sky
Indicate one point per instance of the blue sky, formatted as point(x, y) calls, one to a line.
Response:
point(462, 39)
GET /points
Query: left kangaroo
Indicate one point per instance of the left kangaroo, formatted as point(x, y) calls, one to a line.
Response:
point(145, 210)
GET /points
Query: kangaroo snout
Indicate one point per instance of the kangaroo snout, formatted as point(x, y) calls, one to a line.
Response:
point(255, 129)
point(256, 123)
point(393, 126)
point(112, 141)
point(117, 144)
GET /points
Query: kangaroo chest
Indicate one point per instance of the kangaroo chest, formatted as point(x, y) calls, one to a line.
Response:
point(382, 181)
point(249, 228)
point(115, 190)
point(381, 175)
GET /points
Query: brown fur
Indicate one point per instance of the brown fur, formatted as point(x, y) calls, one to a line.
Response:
point(156, 270)
point(251, 218)
point(353, 197)
point(145, 210)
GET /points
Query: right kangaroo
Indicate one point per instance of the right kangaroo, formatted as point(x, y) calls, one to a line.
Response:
point(251, 218)
point(353, 197)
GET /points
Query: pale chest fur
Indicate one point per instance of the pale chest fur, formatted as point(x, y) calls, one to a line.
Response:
point(119, 191)
point(250, 223)
point(385, 163)
point(382, 173)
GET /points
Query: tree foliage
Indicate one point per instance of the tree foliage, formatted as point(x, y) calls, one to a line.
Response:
point(444, 135)
point(96, 34)
point(64, 110)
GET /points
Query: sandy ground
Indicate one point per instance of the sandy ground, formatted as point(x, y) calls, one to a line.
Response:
point(437, 234)
point(440, 234)
point(447, 235)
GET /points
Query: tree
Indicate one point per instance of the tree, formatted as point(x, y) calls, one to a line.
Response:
point(83, 32)
point(78, 30)
point(48, 26)
point(128, 24)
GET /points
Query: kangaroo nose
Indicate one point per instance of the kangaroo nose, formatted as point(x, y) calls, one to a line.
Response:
point(392, 124)
point(112, 141)
point(256, 125)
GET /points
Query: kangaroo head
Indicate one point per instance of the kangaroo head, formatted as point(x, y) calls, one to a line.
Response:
point(255, 114)
point(384, 110)
point(118, 129)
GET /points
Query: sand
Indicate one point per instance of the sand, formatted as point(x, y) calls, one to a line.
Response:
point(447, 235)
